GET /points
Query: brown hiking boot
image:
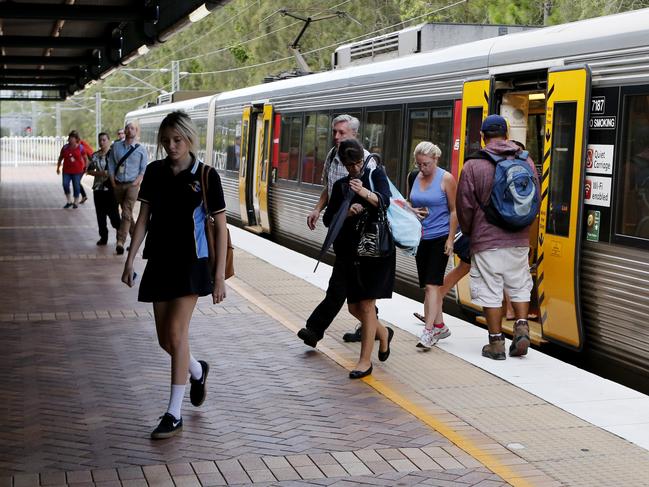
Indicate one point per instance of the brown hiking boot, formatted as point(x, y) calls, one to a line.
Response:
point(496, 348)
point(520, 340)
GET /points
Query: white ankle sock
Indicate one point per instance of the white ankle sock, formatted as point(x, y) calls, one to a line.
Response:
point(495, 334)
point(176, 399)
point(195, 369)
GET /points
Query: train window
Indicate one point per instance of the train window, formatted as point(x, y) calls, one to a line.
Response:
point(472, 136)
point(418, 129)
point(434, 125)
point(201, 126)
point(227, 143)
point(289, 154)
point(560, 190)
point(309, 148)
point(382, 136)
point(633, 202)
point(441, 132)
point(321, 145)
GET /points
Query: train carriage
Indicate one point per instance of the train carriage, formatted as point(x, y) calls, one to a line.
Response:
point(577, 95)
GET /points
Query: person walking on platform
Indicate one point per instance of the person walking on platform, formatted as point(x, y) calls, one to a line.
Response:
point(499, 259)
point(89, 151)
point(433, 200)
point(172, 216)
point(105, 204)
point(126, 164)
point(343, 127)
point(75, 160)
point(364, 279)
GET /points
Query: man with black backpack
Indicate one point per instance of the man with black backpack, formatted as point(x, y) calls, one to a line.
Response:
point(126, 165)
point(498, 197)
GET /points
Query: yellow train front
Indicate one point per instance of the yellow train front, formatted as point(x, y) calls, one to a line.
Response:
point(577, 95)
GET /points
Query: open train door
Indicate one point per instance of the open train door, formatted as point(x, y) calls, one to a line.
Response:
point(262, 168)
point(475, 107)
point(245, 194)
point(562, 193)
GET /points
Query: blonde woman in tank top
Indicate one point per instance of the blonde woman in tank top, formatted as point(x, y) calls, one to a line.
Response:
point(433, 199)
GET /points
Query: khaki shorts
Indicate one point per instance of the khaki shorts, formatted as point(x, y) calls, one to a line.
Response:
point(497, 270)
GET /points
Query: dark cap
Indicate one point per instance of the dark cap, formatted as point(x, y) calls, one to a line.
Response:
point(494, 124)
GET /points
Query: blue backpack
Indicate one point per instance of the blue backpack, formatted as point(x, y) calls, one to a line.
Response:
point(515, 199)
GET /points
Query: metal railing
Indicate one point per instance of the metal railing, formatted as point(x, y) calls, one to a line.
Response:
point(30, 151)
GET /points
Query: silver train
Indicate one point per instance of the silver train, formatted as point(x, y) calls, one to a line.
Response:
point(577, 95)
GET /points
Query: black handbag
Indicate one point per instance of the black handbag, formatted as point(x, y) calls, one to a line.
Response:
point(375, 236)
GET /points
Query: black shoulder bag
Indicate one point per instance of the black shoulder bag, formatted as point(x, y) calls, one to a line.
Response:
point(375, 235)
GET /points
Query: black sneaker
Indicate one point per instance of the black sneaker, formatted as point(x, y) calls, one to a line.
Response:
point(168, 427)
point(68, 205)
point(197, 392)
point(119, 249)
point(74, 206)
point(102, 241)
point(308, 336)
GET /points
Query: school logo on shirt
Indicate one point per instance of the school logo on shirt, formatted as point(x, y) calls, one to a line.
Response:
point(196, 186)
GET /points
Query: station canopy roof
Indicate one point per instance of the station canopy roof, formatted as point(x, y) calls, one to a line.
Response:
point(50, 49)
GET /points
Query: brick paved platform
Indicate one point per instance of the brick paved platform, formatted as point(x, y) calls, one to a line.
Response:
point(84, 383)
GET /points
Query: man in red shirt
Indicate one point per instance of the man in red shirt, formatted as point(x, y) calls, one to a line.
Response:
point(74, 159)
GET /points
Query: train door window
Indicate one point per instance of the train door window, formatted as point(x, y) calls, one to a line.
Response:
point(472, 137)
point(382, 136)
point(633, 199)
point(321, 145)
point(308, 147)
point(289, 155)
point(563, 146)
point(265, 150)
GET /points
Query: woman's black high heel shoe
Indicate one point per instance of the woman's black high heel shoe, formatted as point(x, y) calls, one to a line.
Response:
point(359, 374)
point(383, 356)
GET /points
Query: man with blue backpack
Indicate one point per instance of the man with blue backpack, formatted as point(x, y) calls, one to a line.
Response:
point(498, 198)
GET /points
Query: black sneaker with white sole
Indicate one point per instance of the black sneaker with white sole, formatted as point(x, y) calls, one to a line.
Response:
point(168, 427)
point(197, 392)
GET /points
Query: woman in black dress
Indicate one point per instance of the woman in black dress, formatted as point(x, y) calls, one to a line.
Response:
point(368, 278)
point(172, 216)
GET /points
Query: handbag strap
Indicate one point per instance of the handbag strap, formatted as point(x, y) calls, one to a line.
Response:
point(204, 178)
point(382, 210)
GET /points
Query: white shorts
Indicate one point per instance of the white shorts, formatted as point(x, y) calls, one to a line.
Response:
point(496, 270)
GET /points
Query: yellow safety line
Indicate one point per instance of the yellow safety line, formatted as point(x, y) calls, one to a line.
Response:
point(460, 440)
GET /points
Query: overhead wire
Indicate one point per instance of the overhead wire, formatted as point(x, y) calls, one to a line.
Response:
point(240, 68)
point(225, 48)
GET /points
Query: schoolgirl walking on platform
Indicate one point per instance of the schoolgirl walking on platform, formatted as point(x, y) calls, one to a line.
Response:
point(172, 217)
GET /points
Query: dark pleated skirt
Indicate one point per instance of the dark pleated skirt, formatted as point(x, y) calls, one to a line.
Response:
point(164, 280)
